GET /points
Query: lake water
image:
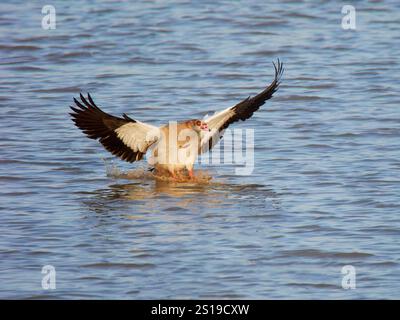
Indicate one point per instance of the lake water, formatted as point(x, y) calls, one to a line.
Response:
point(325, 188)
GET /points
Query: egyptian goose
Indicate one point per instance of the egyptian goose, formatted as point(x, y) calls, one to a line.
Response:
point(174, 146)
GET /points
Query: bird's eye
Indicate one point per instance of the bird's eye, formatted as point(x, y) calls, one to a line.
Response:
point(198, 123)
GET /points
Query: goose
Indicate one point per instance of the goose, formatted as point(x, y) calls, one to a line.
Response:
point(173, 147)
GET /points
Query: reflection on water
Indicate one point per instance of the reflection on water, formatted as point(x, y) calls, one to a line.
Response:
point(147, 193)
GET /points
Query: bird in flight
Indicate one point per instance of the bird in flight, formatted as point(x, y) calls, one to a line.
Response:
point(173, 147)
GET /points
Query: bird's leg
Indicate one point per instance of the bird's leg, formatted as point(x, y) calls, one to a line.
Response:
point(191, 175)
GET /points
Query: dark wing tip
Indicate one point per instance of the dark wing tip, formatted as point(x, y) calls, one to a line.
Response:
point(278, 70)
point(98, 125)
point(91, 100)
point(246, 108)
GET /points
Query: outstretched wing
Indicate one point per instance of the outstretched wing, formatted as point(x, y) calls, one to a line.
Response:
point(241, 111)
point(124, 137)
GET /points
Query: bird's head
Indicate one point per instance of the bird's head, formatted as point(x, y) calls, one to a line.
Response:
point(199, 125)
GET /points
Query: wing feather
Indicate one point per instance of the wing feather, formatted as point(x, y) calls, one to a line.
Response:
point(124, 137)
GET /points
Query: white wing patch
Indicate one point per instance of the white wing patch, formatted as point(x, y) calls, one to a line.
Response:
point(138, 136)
